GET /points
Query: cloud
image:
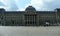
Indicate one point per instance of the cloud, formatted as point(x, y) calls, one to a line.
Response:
point(40, 4)
point(45, 5)
point(10, 5)
point(21, 4)
point(20, 9)
point(1, 4)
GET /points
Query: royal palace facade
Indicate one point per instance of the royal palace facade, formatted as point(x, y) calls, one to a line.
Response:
point(29, 17)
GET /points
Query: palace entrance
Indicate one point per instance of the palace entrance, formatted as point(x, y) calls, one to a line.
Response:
point(30, 19)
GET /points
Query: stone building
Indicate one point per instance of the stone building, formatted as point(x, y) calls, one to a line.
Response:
point(29, 17)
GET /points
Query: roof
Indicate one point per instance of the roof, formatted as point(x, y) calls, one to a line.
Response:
point(30, 8)
point(14, 12)
point(45, 12)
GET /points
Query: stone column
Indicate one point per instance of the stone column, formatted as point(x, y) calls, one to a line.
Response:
point(23, 19)
point(37, 20)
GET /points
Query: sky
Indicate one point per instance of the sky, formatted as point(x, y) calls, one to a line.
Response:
point(20, 5)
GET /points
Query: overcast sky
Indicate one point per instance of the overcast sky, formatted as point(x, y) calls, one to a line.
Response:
point(20, 5)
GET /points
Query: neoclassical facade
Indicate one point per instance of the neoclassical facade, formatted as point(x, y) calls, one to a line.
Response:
point(29, 17)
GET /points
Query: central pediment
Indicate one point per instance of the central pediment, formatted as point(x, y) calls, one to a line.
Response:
point(30, 10)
